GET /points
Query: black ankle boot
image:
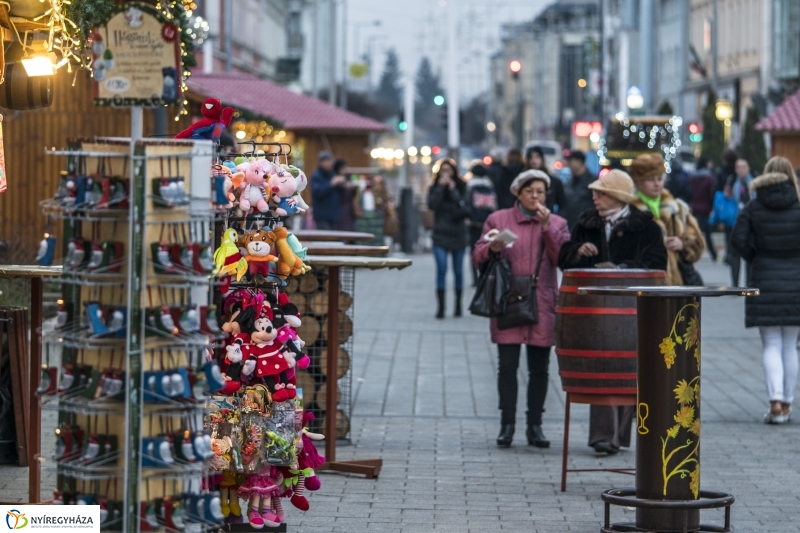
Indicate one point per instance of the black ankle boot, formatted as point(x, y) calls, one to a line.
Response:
point(536, 437)
point(506, 435)
point(458, 303)
point(440, 300)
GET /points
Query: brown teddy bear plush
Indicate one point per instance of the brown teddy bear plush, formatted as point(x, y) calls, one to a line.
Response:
point(258, 245)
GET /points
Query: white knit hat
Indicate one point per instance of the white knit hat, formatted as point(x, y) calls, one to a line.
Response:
point(524, 179)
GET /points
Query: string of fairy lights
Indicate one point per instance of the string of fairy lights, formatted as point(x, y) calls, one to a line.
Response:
point(639, 131)
point(73, 49)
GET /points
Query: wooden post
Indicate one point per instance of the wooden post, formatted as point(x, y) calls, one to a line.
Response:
point(332, 346)
point(35, 429)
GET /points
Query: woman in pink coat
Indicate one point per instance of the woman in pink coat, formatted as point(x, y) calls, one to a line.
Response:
point(532, 222)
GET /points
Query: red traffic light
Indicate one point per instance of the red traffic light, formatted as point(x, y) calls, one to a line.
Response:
point(487, 160)
point(694, 127)
point(584, 129)
point(435, 150)
point(515, 66)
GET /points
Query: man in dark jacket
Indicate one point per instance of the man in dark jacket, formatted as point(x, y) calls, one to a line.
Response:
point(579, 197)
point(513, 167)
point(326, 192)
point(677, 181)
point(702, 184)
point(613, 232)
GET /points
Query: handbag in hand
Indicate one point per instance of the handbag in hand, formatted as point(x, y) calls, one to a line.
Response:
point(522, 308)
point(492, 288)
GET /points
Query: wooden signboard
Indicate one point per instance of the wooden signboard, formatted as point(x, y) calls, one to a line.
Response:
point(136, 58)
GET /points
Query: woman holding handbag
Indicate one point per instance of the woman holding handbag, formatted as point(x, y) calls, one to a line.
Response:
point(530, 314)
point(682, 235)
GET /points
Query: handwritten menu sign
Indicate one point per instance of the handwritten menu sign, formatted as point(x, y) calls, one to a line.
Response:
point(136, 58)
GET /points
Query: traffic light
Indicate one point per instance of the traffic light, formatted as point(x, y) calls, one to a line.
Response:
point(695, 132)
point(402, 125)
point(445, 122)
point(438, 100)
point(515, 67)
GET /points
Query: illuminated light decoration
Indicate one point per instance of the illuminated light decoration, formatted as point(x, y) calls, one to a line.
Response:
point(375, 153)
point(491, 126)
point(425, 151)
point(426, 160)
point(515, 66)
point(626, 162)
point(581, 83)
point(412, 151)
point(585, 129)
point(399, 154)
point(558, 165)
point(594, 137)
point(436, 150)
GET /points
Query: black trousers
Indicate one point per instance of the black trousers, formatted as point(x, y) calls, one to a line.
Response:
point(611, 424)
point(538, 361)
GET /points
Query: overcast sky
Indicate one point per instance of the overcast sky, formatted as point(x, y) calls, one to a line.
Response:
point(417, 27)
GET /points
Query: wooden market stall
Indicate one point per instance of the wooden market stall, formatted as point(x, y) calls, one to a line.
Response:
point(783, 127)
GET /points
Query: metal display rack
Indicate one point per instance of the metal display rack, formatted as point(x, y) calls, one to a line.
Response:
point(130, 387)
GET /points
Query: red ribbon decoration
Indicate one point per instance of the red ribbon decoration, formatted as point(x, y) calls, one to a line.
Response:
point(169, 32)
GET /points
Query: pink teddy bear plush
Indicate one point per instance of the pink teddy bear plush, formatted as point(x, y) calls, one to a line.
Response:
point(283, 188)
point(255, 184)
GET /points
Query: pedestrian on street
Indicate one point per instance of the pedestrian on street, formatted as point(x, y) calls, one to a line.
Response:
point(349, 209)
point(677, 181)
point(702, 204)
point(481, 202)
point(682, 236)
point(326, 192)
point(612, 232)
point(729, 158)
point(738, 184)
point(514, 165)
point(579, 197)
point(539, 232)
point(766, 236)
point(556, 199)
point(447, 200)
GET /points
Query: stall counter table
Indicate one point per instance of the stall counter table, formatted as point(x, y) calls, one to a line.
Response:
point(369, 467)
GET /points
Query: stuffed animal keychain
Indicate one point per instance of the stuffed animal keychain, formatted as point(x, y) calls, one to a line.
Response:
point(228, 260)
point(255, 184)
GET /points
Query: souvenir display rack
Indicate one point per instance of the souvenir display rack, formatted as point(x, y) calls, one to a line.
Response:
point(133, 335)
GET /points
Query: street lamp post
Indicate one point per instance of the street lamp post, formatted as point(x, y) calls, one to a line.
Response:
point(515, 67)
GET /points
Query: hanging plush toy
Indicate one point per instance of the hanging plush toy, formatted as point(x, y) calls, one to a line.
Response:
point(235, 354)
point(258, 245)
point(210, 127)
point(288, 262)
point(271, 363)
point(256, 176)
point(229, 260)
point(302, 182)
point(283, 188)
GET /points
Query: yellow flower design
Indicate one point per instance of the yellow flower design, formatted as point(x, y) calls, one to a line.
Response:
point(692, 333)
point(667, 348)
point(673, 431)
point(694, 483)
point(695, 427)
point(685, 416)
point(697, 356)
point(684, 393)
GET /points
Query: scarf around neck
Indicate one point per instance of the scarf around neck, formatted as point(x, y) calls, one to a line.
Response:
point(525, 212)
point(653, 203)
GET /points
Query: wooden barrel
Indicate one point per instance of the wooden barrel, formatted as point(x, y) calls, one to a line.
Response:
point(596, 335)
point(21, 92)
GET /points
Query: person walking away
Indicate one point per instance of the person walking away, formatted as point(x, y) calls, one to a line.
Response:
point(326, 192)
point(738, 184)
point(612, 232)
point(349, 208)
point(766, 236)
point(512, 168)
point(481, 202)
point(540, 235)
point(723, 215)
point(556, 199)
point(682, 236)
point(728, 168)
point(702, 184)
point(446, 198)
point(577, 191)
point(677, 181)
point(495, 169)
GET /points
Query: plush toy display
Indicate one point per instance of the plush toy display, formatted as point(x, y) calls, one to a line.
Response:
point(288, 262)
point(210, 127)
point(283, 187)
point(258, 245)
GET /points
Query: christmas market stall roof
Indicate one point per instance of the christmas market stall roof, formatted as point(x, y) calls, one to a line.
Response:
point(295, 112)
point(785, 117)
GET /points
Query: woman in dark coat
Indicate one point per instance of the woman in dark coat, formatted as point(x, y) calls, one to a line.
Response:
point(612, 232)
point(766, 235)
point(447, 199)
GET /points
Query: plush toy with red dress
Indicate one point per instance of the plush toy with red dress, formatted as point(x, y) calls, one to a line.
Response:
point(210, 127)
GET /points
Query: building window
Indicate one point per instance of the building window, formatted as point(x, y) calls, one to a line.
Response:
point(786, 38)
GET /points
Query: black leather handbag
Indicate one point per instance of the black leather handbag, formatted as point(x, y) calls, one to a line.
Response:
point(492, 288)
point(522, 308)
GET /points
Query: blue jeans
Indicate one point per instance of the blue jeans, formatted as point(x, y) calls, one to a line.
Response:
point(441, 267)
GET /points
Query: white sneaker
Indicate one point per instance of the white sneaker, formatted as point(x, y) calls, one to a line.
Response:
point(769, 418)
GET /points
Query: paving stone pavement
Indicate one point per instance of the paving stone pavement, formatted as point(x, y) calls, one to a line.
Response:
point(425, 401)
